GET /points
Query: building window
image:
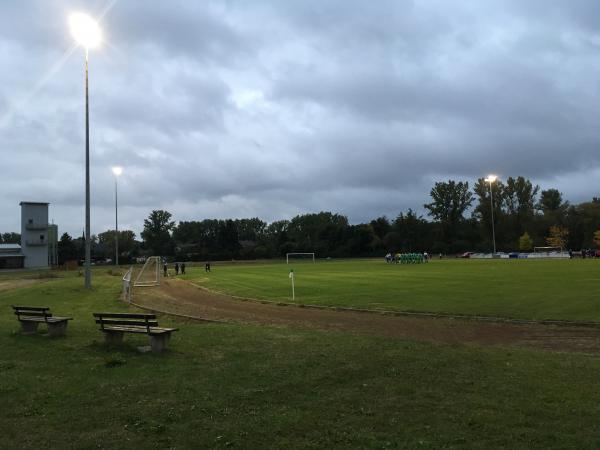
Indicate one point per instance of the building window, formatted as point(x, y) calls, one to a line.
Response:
point(42, 237)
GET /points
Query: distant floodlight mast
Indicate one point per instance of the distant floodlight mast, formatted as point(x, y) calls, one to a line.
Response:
point(87, 33)
point(492, 179)
point(116, 172)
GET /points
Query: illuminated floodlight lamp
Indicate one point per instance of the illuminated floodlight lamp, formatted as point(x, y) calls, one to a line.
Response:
point(85, 30)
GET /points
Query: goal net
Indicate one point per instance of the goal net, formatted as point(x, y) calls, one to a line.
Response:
point(299, 256)
point(547, 250)
point(150, 273)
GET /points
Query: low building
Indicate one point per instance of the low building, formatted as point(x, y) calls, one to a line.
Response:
point(11, 256)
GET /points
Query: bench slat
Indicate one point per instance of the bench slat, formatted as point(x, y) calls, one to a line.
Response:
point(30, 308)
point(125, 316)
point(153, 330)
point(42, 319)
point(141, 323)
point(32, 313)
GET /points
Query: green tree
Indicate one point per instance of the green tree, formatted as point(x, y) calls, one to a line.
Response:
point(525, 242)
point(451, 200)
point(520, 197)
point(10, 238)
point(228, 237)
point(550, 201)
point(251, 229)
point(277, 237)
point(412, 233)
point(322, 233)
point(67, 249)
point(157, 233)
point(127, 243)
point(381, 226)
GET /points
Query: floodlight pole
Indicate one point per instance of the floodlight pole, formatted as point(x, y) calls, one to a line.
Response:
point(492, 209)
point(116, 224)
point(88, 251)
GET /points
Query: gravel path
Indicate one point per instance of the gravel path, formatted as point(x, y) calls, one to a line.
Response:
point(182, 297)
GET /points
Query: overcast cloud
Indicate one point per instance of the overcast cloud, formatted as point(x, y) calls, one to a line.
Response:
point(271, 109)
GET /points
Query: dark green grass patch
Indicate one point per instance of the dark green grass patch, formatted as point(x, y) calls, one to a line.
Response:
point(564, 289)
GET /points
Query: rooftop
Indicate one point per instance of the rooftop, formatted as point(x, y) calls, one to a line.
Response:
point(33, 203)
point(9, 247)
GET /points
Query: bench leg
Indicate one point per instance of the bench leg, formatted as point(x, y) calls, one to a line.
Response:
point(158, 342)
point(57, 328)
point(113, 337)
point(29, 327)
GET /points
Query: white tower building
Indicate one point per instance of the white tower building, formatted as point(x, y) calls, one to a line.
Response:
point(34, 234)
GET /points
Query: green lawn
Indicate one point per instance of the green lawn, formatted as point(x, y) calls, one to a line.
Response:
point(239, 386)
point(564, 289)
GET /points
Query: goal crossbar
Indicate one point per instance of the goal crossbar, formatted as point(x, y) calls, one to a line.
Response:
point(287, 256)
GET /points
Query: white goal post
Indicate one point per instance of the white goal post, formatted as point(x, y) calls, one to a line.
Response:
point(126, 293)
point(287, 256)
point(150, 273)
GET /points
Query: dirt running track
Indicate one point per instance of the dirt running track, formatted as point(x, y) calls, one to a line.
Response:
point(181, 297)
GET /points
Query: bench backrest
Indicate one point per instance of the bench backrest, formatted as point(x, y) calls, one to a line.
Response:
point(32, 311)
point(126, 320)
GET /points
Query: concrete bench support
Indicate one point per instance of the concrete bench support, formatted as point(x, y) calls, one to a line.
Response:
point(28, 327)
point(56, 329)
point(113, 337)
point(158, 342)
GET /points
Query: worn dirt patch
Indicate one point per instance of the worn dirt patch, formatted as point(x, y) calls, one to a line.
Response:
point(8, 285)
point(181, 297)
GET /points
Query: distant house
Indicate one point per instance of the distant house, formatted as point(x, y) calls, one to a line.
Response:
point(39, 240)
point(11, 256)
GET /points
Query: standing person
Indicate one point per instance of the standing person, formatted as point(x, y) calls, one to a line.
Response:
point(176, 268)
point(182, 268)
point(165, 269)
point(207, 267)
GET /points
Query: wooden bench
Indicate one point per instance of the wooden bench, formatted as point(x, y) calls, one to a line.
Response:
point(114, 325)
point(31, 316)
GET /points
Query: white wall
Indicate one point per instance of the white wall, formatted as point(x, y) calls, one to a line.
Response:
point(34, 234)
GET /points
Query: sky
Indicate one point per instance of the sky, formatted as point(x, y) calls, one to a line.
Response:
point(231, 109)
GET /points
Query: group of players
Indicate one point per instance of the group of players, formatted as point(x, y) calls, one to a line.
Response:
point(407, 258)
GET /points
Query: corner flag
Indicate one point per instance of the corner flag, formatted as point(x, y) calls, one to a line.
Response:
point(291, 276)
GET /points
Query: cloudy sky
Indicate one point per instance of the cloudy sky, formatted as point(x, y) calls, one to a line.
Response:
point(275, 108)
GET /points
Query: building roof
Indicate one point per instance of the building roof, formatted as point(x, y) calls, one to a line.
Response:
point(33, 203)
point(4, 247)
point(10, 251)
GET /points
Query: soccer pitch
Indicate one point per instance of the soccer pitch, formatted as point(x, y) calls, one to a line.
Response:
point(541, 289)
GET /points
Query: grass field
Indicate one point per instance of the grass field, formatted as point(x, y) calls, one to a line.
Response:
point(239, 386)
point(563, 289)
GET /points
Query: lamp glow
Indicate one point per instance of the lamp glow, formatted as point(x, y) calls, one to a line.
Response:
point(85, 30)
point(117, 171)
point(491, 178)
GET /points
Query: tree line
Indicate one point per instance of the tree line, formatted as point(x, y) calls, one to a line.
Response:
point(459, 218)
